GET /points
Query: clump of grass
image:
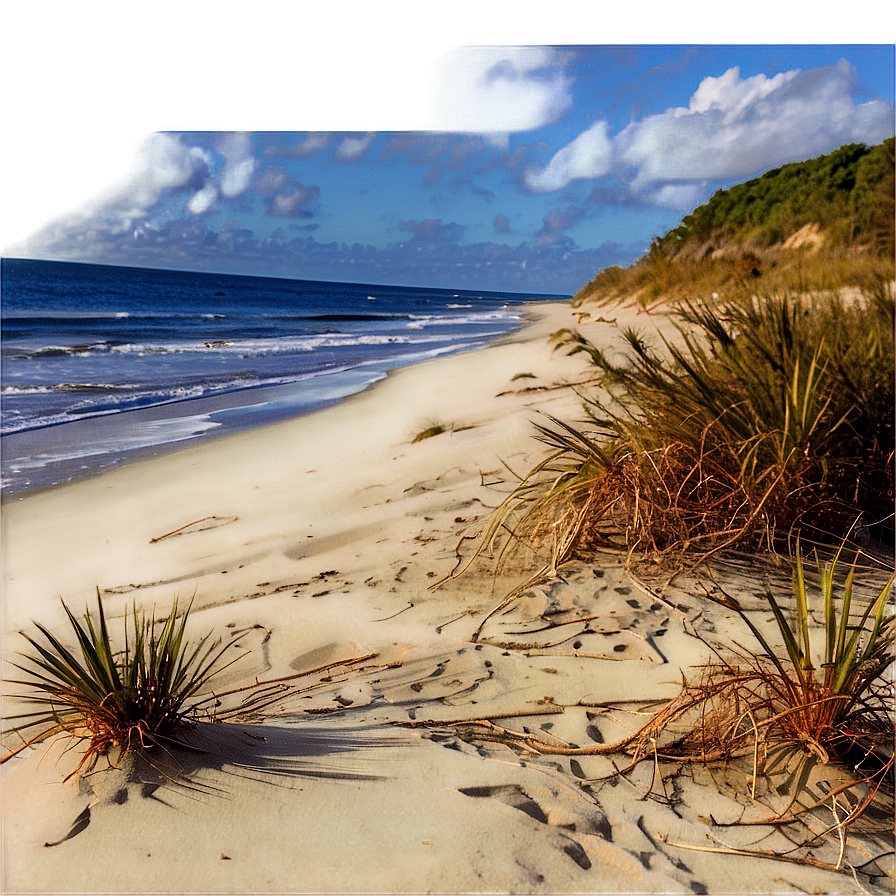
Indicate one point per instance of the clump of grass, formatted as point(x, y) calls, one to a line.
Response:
point(823, 701)
point(433, 426)
point(765, 418)
point(134, 698)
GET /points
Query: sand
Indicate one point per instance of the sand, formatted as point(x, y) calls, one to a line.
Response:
point(317, 541)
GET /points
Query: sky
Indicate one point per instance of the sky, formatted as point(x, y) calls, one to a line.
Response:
point(489, 157)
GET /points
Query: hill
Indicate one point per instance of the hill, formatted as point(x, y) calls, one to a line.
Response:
point(824, 222)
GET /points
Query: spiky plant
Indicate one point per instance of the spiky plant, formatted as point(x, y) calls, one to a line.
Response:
point(134, 698)
point(831, 708)
point(762, 419)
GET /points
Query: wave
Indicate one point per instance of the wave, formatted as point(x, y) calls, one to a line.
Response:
point(117, 398)
point(245, 348)
point(37, 316)
point(66, 387)
point(60, 351)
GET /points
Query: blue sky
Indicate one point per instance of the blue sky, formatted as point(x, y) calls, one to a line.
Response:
point(531, 166)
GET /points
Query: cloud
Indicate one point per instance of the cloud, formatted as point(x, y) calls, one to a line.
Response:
point(500, 90)
point(556, 222)
point(526, 166)
point(735, 128)
point(232, 236)
point(271, 180)
point(354, 146)
point(313, 142)
point(501, 223)
point(418, 148)
point(239, 166)
point(588, 154)
point(437, 258)
point(433, 231)
point(649, 192)
point(468, 185)
point(293, 201)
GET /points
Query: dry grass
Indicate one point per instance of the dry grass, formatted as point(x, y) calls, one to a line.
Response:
point(437, 428)
point(777, 711)
point(653, 280)
point(770, 417)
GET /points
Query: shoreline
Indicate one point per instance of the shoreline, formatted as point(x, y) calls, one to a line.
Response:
point(316, 541)
point(156, 430)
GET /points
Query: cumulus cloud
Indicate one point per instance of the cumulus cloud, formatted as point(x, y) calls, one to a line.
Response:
point(588, 154)
point(433, 230)
point(292, 202)
point(556, 222)
point(239, 166)
point(735, 128)
point(500, 90)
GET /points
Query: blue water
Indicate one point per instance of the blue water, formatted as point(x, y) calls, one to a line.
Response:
point(104, 364)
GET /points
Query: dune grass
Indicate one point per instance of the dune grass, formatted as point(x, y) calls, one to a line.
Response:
point(656, 278)
point(817, 701)
point(434, 426)
point(815, 689)
point(765, 418)
point(133, 698)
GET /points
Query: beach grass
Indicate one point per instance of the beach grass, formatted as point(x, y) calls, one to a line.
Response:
point(433, 426)
point(134, 697)
point(822, 700)
point(764, 418)
point(657, 279)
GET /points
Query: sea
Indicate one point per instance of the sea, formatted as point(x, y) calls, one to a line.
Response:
point(101, 365)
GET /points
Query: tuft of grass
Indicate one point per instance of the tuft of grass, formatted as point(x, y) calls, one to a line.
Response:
point(433, 426)
point(133, 698)
point(824, 698)
point(763, 419)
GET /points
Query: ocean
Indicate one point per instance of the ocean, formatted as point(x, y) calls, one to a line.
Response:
point(100, 364)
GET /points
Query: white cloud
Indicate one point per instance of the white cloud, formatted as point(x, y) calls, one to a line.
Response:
point(202, 200)
point(730, 95)
point(499, 88)
point(736, 128)
point(354, 147)
point(589, 154)
point(239, 165)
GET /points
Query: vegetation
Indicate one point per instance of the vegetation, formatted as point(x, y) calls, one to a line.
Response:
point(838, 712)
point(849, 190)
point(813, 225)
point(783, 710)
point(433, 426)
point(134, 699)
point(768, 417)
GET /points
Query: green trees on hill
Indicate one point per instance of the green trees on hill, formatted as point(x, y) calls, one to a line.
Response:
point(740, 234)
point(848, 192)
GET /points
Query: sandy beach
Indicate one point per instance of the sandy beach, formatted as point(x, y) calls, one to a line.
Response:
point(313, 544)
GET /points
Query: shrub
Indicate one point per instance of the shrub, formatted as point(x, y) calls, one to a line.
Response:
point(770, 416)
point(134, 698)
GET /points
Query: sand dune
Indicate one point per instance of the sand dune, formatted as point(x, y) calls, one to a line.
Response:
point(315, 542)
